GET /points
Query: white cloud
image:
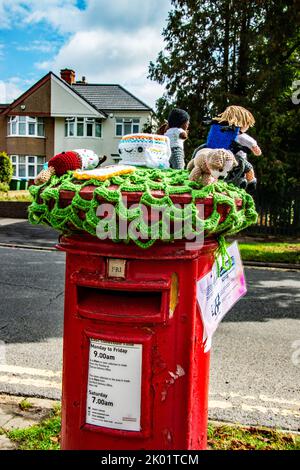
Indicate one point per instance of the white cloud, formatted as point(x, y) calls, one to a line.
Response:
point(40, 46)
point(108, 57)
point(66, 17)
point(61, 15)
point(125, 15)
point(10, 90)
point(109, 41)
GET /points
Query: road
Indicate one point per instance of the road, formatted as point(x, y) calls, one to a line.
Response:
point(255, 360)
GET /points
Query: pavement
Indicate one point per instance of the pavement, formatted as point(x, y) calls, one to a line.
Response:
point(15, 416)
point(255, 359)
point(18, 232)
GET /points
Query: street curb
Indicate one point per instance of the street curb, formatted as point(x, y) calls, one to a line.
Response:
point(260, 264)
point(27, 247)
point(15, 400)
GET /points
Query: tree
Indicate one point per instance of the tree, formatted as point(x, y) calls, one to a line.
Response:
point(220, 52)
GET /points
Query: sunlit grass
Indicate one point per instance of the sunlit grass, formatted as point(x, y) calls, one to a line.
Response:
point(271, 252)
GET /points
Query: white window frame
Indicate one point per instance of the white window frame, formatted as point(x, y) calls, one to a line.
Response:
point(121, 122)
point(29, 161)
point(73, 122)
point(16, 122)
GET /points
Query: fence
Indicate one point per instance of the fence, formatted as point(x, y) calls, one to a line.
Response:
point(278, 213)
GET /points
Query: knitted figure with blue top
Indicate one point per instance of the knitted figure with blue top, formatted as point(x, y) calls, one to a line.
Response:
point(228, 131)
point(176, 128)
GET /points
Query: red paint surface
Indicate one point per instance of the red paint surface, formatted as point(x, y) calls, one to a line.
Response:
point(136, 310)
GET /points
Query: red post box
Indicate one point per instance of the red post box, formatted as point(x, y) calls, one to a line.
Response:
point(135, 375)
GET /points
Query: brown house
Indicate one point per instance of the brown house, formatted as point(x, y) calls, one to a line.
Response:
point(27, 130)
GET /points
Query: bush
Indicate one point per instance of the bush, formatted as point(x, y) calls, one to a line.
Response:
point(4, 187)
point(6, 169)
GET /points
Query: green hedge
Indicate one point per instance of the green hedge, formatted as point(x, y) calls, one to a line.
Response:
point(6, 171)
point(4, 187)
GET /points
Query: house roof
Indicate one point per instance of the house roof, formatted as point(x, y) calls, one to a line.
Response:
point(104, 98)
point(3, 107)
point(110, 97)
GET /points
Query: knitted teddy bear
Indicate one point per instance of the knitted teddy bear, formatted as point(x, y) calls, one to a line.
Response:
point(58, 165)
point(209, 164)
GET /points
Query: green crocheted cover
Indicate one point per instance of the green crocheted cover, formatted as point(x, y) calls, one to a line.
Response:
point(47, 209)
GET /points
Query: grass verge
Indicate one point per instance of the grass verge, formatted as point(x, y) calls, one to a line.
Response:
point(271, 252)
point(252, 438)
point(46, 436)
point(16, 196)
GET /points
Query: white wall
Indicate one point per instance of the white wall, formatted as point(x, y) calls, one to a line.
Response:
point(63, 143)
point(66, 103)
point(106, 145)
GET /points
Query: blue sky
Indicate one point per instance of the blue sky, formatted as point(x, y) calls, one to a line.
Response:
point(107, 41)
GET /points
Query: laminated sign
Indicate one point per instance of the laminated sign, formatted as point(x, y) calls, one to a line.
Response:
point(114, 385)
point(216, 294)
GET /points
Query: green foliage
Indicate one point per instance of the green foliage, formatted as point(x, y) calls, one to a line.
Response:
point(6, 170)
point(44, 436)
point(148, 127)
point(221, 52)
point(4, 188)
point(25, 404)
point(15, 196)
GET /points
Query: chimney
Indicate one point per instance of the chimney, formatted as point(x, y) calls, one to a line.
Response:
point(68, 75)
point(82, 82)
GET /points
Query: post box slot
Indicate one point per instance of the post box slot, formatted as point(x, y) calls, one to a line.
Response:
point(141, 306)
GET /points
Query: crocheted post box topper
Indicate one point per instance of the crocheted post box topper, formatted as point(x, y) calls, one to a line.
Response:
point(147, 150)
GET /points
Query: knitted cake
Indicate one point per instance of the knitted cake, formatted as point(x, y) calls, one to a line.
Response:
point(147, 150)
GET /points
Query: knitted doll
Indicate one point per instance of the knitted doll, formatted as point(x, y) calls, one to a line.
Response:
point(228, 131)
point(69, 161)
point(241, 119)
point(176, 129)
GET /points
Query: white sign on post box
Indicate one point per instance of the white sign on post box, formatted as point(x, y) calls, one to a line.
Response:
point(216, 295)
point(114, 385)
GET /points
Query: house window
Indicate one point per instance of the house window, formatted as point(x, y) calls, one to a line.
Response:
point(27, 166)
point(127, 126)
point(83, 127)
point(26, 126)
